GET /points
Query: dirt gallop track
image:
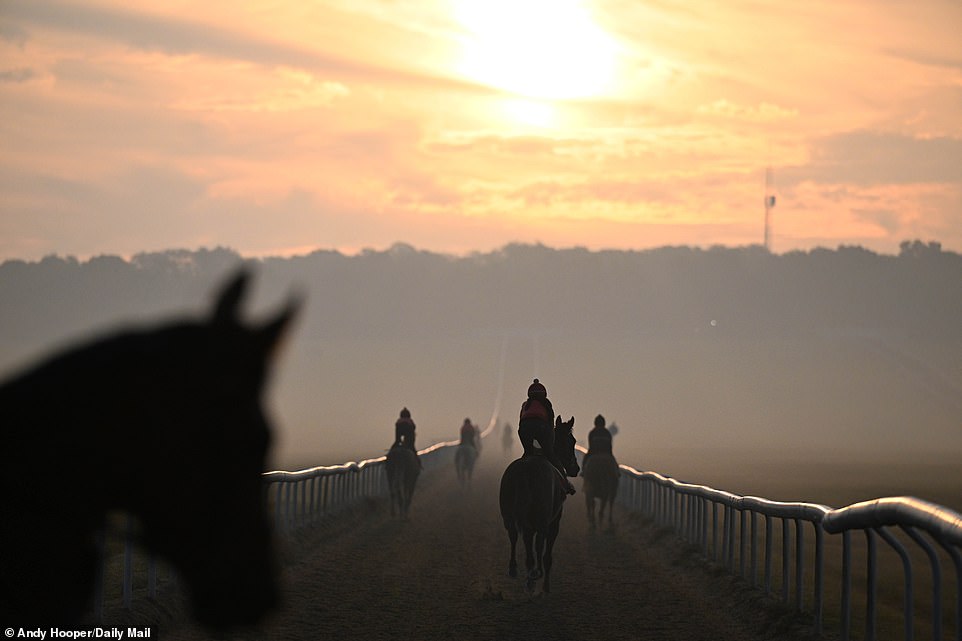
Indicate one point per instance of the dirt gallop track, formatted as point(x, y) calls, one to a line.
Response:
point(442, 575)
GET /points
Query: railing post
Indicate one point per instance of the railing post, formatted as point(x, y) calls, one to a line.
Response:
point(846, 585)
point(714, 530)
point(871, 585)
point(957, 562)
point(936, 580)
point(725, 518)
point(799, 564)
point(742, 541)
point(786, 549)
point(908, 601)
point(769, 540)
point(819, 595)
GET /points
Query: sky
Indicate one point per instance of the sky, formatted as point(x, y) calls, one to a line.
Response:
point(278, 127)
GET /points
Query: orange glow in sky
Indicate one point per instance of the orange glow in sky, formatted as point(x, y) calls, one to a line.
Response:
point(455, 125)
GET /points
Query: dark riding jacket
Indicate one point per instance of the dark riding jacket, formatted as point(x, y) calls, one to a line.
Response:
point(537, 422)
point(599, 440)
point(469, 435)
point(404, 433)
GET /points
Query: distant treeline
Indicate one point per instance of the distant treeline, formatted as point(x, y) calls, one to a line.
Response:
point(403, 291)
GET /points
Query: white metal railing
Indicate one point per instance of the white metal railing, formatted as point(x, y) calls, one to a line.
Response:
point(721, 522)
point(302, 497)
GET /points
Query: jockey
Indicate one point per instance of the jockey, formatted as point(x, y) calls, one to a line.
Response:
point(404, 432)
point(536, 423)
point(599, 440)
point(469, 434)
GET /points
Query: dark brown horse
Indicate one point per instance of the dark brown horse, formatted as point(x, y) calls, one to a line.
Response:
point(402, 469)
point(465, 456)
point(601, 476)
point(532, 501)
point(164, 424)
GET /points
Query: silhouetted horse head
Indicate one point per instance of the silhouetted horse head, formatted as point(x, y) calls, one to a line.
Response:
point(165, 424)
point(564, 445)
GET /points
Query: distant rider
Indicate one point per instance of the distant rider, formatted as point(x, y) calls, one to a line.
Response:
point(507, 438)
point(404, 432)
point(536, 423)
point(469, 434)
point(599, 441)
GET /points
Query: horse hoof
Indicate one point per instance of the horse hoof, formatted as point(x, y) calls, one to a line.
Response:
point(513, 571)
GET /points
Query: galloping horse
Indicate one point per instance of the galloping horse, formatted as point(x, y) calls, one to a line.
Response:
point(532, 501)
point(465, 457)
point(601, 475)
point(164, 424)
point(402, 470)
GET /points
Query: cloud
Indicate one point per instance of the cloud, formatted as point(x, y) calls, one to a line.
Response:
point(13, 33)
point(925, 58)
point(867, 158)
point(762, 112)
point(22, 74)
point(887, 219)
point(176, 37)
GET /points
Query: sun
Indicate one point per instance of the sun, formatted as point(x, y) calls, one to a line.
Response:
point(540, 49)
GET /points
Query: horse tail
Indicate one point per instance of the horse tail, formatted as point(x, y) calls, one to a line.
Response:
point(515, 495)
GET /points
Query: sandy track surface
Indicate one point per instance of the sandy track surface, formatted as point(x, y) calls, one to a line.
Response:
point(443, 575)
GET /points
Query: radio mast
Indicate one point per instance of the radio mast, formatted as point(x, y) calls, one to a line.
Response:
point(769, 205)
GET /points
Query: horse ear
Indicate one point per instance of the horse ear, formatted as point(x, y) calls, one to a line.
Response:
point(558, 421)
point(270, 335)
point(226, 309)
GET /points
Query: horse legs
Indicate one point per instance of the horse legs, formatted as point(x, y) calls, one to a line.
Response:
point(590, 504)
point(513, 562)
point(394, 501)
point(539, 552)
point(528, 536)
point(549, 546)
point(407, 493)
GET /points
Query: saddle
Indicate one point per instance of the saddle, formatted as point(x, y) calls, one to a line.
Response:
point(539, 454)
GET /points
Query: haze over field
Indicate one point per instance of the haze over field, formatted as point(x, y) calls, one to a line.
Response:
point(704, 358)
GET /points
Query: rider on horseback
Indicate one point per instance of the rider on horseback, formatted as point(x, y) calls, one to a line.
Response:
point(469, 434)
point(537, 424)
point(599, 440)
point(404, 432)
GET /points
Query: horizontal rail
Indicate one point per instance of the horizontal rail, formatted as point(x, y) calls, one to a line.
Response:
point(939, 521)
